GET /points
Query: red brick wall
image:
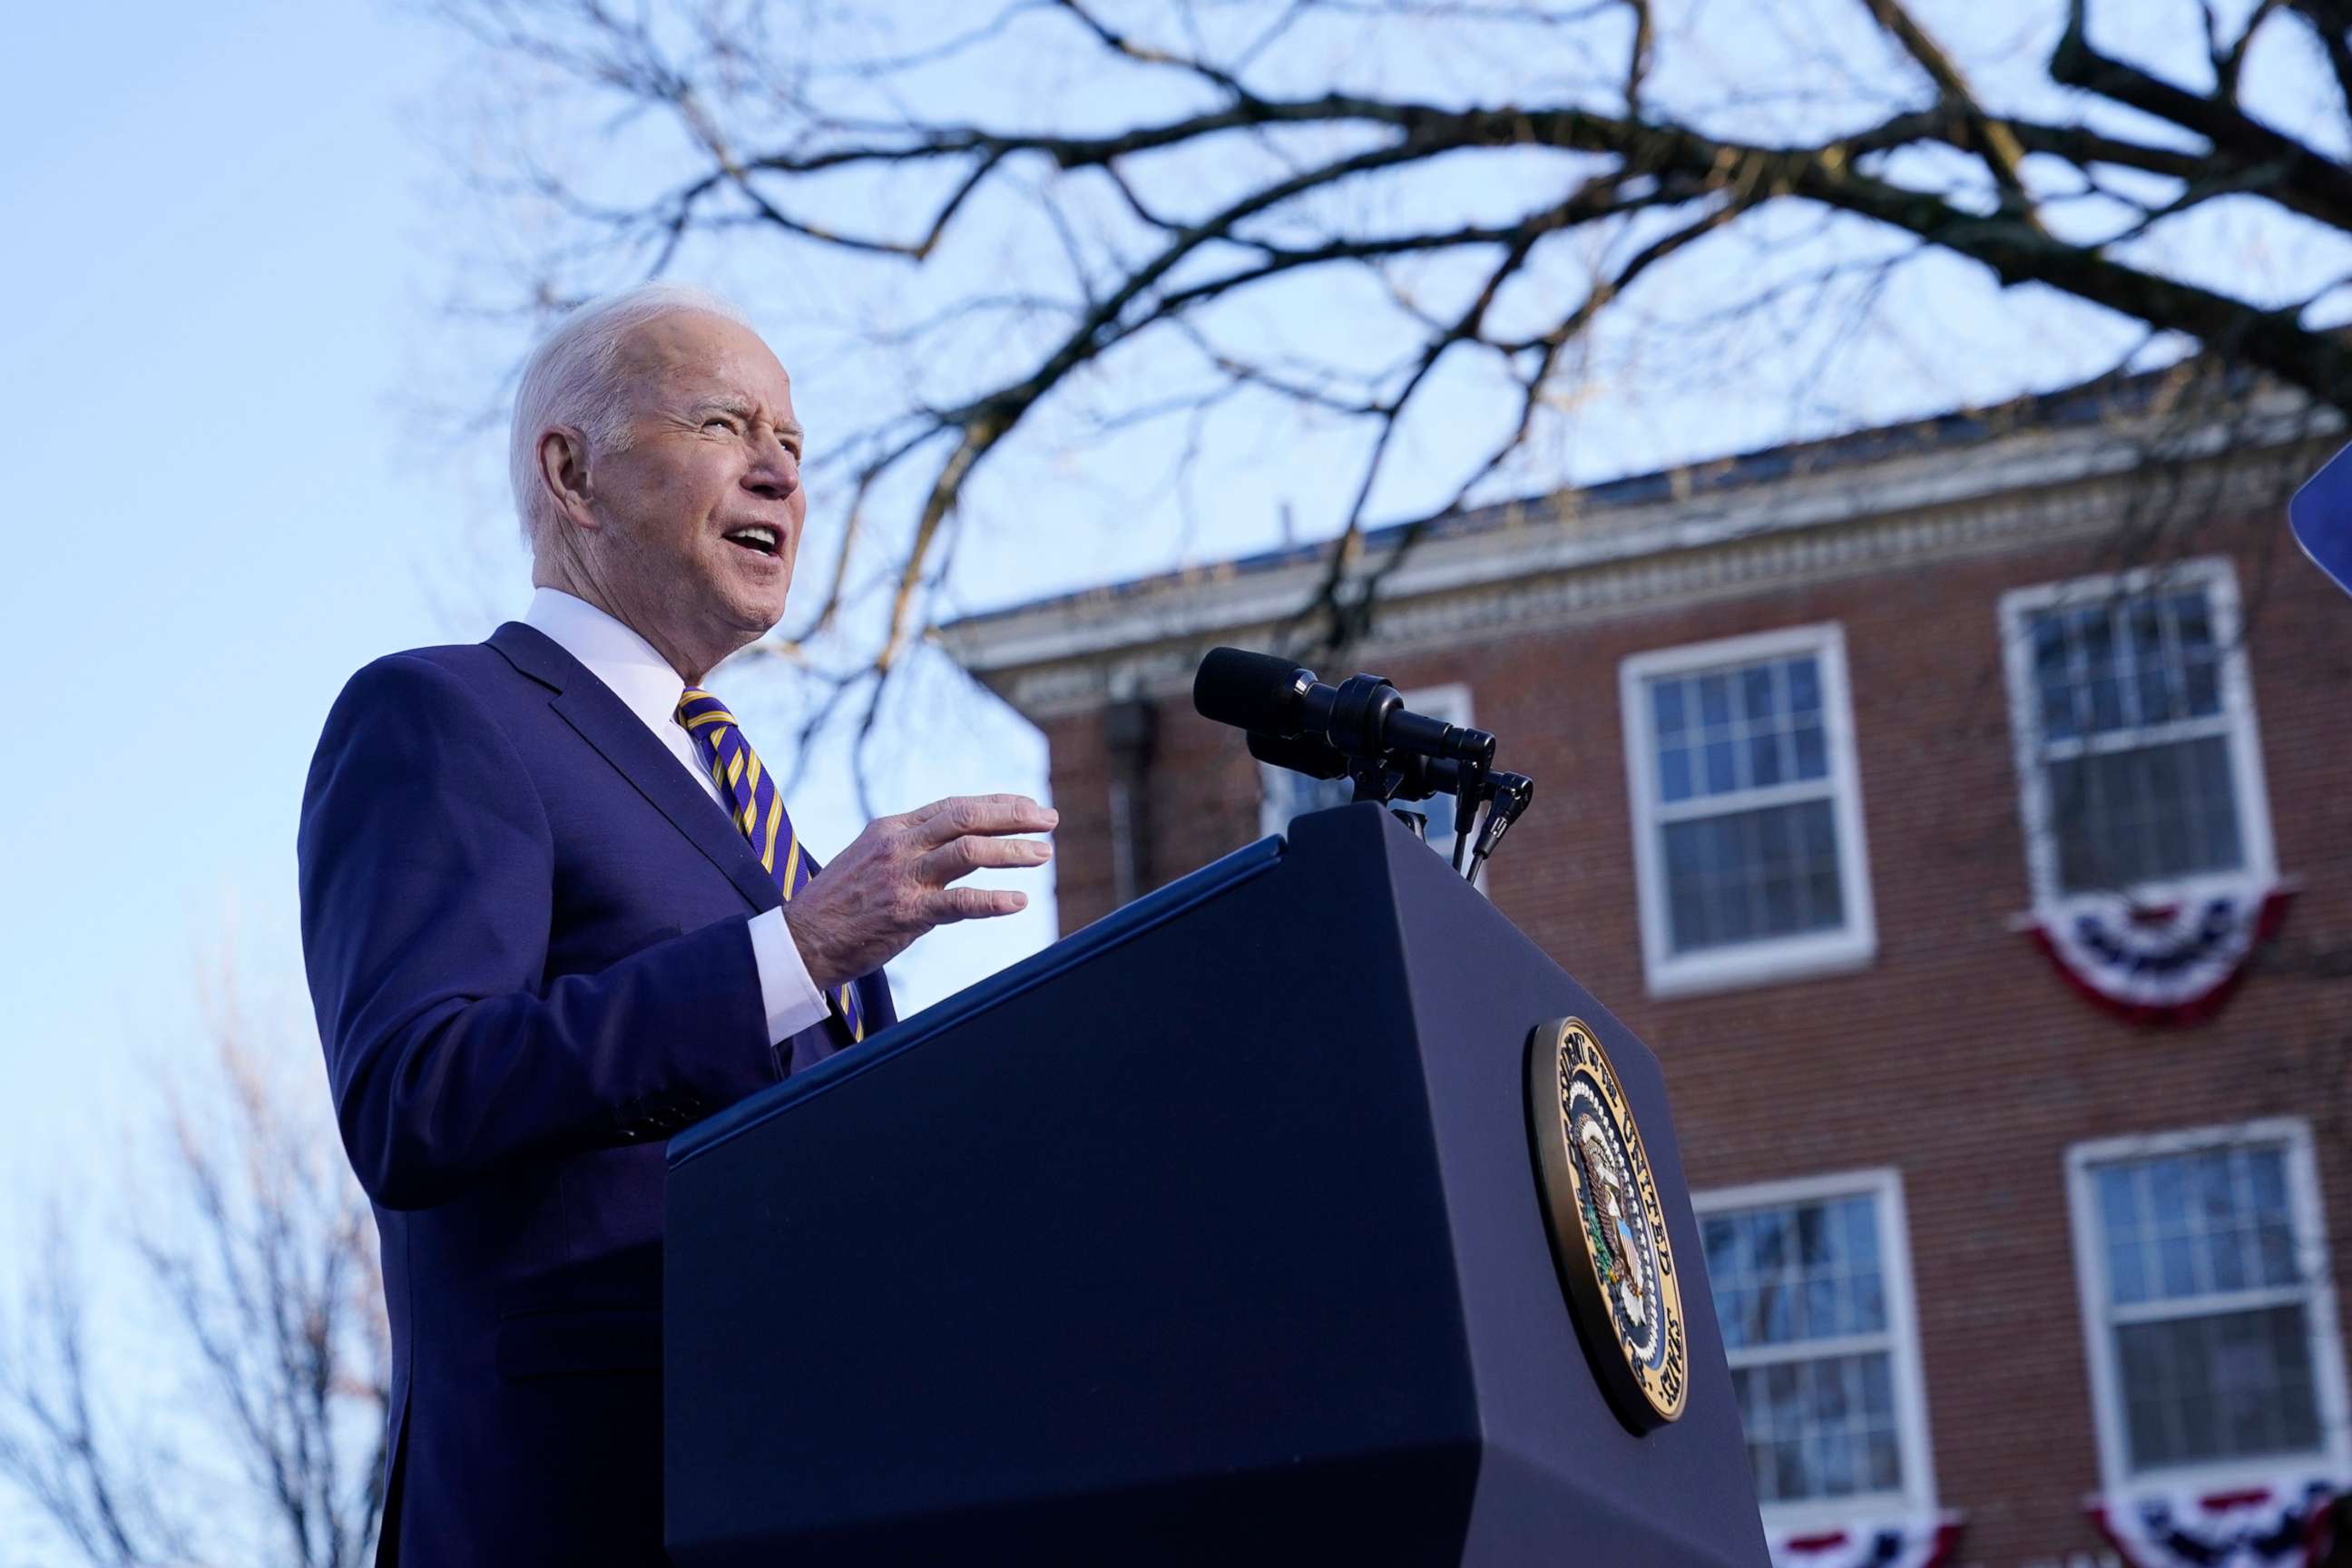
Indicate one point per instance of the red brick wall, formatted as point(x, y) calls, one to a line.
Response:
point(1959, 1056)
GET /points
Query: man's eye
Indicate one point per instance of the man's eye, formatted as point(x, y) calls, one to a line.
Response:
point(721, 420)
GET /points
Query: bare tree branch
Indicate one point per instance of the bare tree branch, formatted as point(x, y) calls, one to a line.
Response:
point(1249, 168)
point(260, 1254)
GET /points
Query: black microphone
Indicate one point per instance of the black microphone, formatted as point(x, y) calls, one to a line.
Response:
point(1416, 778)
point(1251, 690)
point(1363, 716)
point(1309, 754)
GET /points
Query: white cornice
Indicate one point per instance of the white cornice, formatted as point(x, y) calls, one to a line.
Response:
point(1076, 653)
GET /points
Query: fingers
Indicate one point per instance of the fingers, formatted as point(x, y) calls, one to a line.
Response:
point(944, 820)
point(951, 904)
point(963, 855)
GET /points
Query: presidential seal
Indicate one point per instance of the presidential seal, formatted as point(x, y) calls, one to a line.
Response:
point(1608, 1230)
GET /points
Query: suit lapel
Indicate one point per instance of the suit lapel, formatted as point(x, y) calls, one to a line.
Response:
point(588, 705)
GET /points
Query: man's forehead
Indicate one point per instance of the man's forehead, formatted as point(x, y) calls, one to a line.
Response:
point(702, 355)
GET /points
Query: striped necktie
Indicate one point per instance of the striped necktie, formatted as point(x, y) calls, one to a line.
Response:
point(750, 791)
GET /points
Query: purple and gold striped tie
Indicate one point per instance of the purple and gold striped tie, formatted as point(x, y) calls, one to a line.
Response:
point(750, 791)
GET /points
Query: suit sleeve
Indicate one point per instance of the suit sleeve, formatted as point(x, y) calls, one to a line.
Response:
point(426, 869)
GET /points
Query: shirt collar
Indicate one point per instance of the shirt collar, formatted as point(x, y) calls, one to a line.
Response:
point(641, 678)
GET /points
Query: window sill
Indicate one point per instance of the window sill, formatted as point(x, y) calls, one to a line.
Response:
point(1856, 1513)
point(1760, 964)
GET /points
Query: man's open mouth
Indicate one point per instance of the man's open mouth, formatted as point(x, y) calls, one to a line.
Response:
point(758, 537)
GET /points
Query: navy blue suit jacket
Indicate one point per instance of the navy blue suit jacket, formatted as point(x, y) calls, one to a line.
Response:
point(524, 924)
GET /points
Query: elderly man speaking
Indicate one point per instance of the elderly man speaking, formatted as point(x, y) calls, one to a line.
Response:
point(554, 908)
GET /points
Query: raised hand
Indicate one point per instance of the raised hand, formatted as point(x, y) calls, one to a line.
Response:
point(893, 882)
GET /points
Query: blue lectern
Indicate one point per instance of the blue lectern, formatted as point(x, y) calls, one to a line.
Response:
point(1212, 1234)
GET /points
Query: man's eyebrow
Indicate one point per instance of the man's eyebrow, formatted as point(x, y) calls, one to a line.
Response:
point(741, 408)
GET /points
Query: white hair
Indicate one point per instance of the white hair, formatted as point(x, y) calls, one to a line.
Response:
point(570, 380)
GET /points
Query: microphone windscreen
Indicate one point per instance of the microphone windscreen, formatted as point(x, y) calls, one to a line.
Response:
point(1248, 690)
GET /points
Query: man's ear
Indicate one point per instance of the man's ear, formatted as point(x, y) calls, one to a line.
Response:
point(564, 472)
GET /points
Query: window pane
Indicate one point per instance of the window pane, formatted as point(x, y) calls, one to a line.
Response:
point(1718, 1236)
point(1885, 1465)
point(2200, 684)
point(1791, 1272)
point(2272, 1227)
point(1868, 1311)
point(2149, 692)
point(1674, 775)
point(2204, 1221)
point(2215, 810)
point(1804, 678)
point(1735, 1308)
point(1813, 752)
point(1834, 1466)
point(1715, 702)
point(1775, 1322)
point(2094, 639)
point(1755, 726)
point(2192, 623)
point(2107, 702)
point(2113, 666)
point(2208, 1223)
point(1816, 1245)
point(1824, 1315)
point(2144, 813)
point(2235, 1386)
point(2266, 1182)
point(2047, 636)
point(2058, 720)
point(1750, 875)
point(2126, 1271)
point(2118, 1200)
point(1666, 707)
point(2053, 677)
point(1822, 1427)
point(1721, 773)
point(1860, 1218)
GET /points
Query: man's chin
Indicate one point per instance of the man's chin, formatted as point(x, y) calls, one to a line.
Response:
point(754, 612)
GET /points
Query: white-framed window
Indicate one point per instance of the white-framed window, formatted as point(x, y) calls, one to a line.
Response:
point(1284, 794)
point(1748, 844)
point(1813, 1285)
point(2201, 1259)
point(2139, 771)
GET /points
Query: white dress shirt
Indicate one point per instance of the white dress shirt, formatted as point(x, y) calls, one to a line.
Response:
point(648, 688)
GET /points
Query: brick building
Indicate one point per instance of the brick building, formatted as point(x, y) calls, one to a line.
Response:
point(1818, 733)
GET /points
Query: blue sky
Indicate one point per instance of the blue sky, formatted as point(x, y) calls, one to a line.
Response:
point(211, 525)
point(222, 256)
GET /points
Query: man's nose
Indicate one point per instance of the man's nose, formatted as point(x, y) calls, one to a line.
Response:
point(774, 473)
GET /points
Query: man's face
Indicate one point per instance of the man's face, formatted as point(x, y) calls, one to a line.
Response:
point(713, 457)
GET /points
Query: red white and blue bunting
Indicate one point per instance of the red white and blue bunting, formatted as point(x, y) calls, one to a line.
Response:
point(2261, 1527)
point(2176, 964)
point(1927, 1542)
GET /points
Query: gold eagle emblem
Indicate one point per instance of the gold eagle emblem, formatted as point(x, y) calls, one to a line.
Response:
point(1608, 1227)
